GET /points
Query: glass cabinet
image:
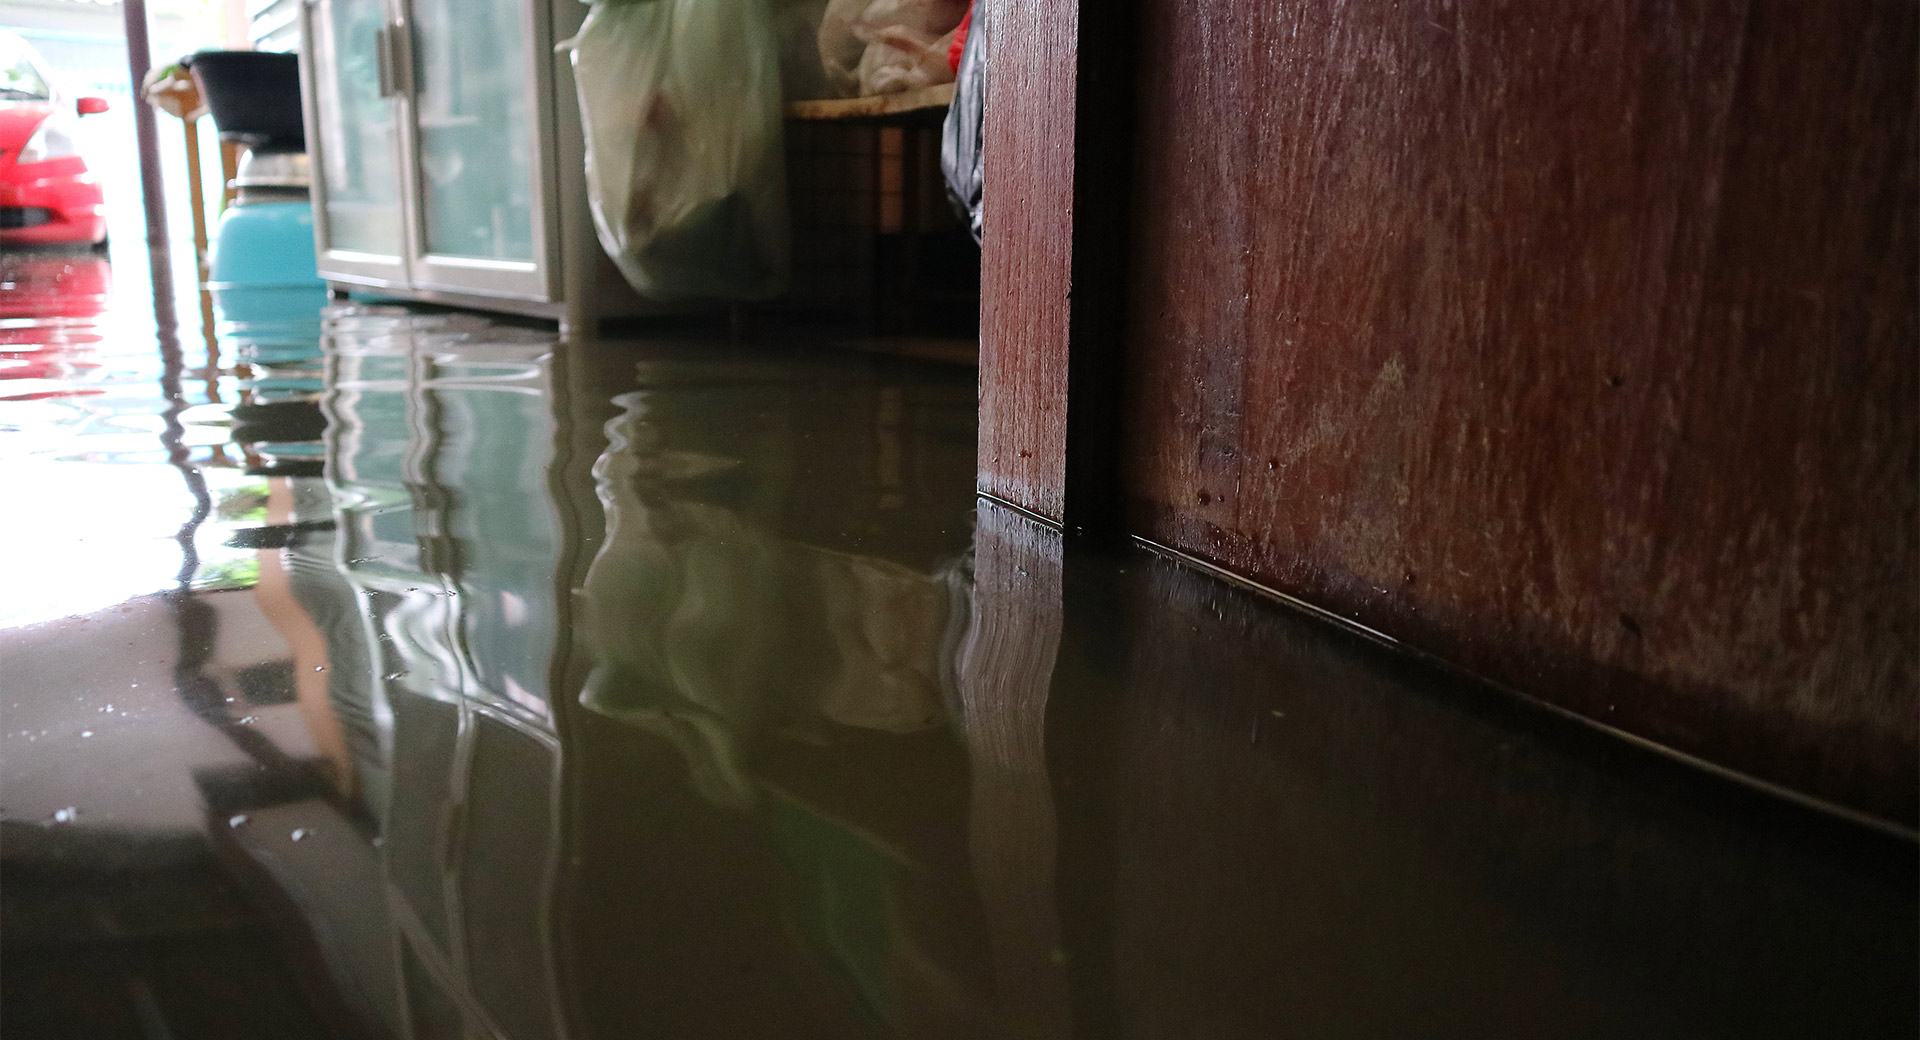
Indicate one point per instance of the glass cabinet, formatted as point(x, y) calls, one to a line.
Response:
point(432, 130)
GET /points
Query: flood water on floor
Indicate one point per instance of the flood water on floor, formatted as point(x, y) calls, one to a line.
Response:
point(438, 678)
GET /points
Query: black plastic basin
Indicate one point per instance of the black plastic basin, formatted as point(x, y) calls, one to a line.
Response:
point(254, 97)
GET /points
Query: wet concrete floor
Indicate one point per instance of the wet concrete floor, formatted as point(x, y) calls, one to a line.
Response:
point(436, 678)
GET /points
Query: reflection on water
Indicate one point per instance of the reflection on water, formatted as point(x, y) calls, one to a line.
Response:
point(437, 447)
point(536, 690)
point(713, 628)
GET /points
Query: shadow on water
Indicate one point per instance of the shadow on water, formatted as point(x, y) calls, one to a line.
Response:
point(525, 689)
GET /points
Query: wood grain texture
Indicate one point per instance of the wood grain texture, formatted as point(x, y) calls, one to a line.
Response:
point(1026, 252)
point(1573, 343)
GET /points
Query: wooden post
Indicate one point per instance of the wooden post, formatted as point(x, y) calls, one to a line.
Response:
point(229, 170)
point(199, 206)
point(134, 14)
point(178, 94)
point(1054, 258)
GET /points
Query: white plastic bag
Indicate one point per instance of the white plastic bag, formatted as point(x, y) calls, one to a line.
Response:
point(686, 177)
point(900, 58)
point(885, 46)
point(841, 47)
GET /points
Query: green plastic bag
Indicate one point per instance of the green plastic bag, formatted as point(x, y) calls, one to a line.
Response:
point(686, 177)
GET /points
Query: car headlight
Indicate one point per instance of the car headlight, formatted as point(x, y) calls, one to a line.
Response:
point(50, 141)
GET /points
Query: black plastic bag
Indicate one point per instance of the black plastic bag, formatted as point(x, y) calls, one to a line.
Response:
point(960, 142)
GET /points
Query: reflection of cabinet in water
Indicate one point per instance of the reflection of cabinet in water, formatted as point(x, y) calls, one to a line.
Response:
point(435, 450)
point(783, 538)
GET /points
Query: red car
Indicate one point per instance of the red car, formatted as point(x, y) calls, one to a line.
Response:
point(46, 194)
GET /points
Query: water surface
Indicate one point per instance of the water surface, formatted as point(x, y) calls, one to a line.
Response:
point(449, 680)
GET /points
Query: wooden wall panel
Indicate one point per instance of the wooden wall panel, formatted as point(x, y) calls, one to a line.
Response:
point(1573, 343)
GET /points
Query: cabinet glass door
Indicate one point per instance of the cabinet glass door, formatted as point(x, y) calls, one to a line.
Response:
point(478, 115)
point(355, 146)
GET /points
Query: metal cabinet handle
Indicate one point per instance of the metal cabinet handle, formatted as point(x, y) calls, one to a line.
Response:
point(393, 50)
point(380, 60)
point(400, 57)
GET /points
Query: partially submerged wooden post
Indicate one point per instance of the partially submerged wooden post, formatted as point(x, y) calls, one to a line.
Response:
point(172, 90)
